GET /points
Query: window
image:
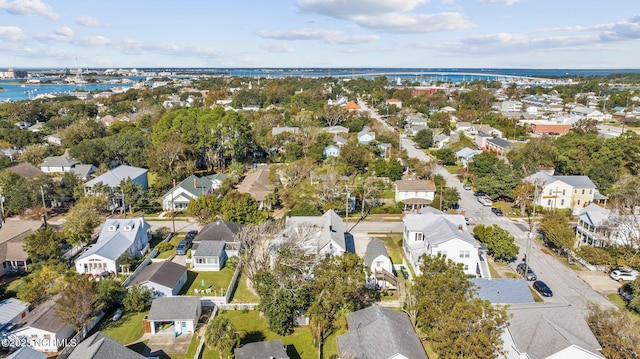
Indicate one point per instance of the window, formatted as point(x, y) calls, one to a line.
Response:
point(562, 202)
point(34, 336)
point(378, 264)
point(442, 253)
point(550, 192)
point(549, 202)
point(575, 191)
point(583, 191)
point(466, 267)
point(578, 202)
point(419, 236)
point(47, 337)
point(201, 260)
point(564, 192)
point(183, 324)
point(464, 254)
point(590, 191)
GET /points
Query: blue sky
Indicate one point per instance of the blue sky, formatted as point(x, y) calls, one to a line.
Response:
point(320, 33)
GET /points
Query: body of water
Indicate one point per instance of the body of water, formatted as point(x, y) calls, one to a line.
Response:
point(15, 91)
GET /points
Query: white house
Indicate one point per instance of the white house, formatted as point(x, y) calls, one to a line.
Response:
point(280, 130)
point(113, 178)
point(587, 113)
point(433, 232)
point(118, 236)
point(208, 256)
point(192, 187)
point(572, 192)
point(415, 193)
point(331, 151)
point(43, 329)
point(164, 279)
point(377, 259)
point(466, 154)
point(326, 233)
point(336, 129)
point(600, 227)
point(12, 310)
point(58, 164)
point(365, 136)
point(181, 312)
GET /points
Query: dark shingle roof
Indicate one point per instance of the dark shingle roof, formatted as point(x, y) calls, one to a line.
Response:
point(500, 142)
point(219, 230)
point(262, 350)
point(166, 273)
point(174, 308)
point(377, 332)
point(503, 290)
point(25, 170)
point(209, 249)
point(100, 346)
point(375, 248)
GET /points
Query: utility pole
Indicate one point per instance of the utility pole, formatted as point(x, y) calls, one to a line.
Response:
point(346, 202)
point(44, 206)
point(173, 210)
point(1, 207)
point(124, 207)
point(531, 231)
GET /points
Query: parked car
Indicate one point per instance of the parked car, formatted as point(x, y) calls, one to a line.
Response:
point(466, 187)
point(190, 236)
point(621, 275)
point(542, 288)
point(497, 211)
point(181, 248)
point(479, 194)
point(530, 275)
point(117, 315)
point(467, 221)
point(625, 292)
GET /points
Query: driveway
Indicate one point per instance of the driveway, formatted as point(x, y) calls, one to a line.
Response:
point(167, 344)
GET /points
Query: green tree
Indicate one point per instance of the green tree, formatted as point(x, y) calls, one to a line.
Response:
point(616, 330)
point(221, 334)
point(305, 209)
point(474, 331)
point(241, 208)
point(78, 302)
point(446, 197)
point(355, 155)
point(205, 209)
point(446, 155)
point(43, 245)
point(424, 138)
point(440, 285)
point(500, 244)
point(558, 231)
point(137, 299)
point(338, 287)
point(82, 219)
point(109, 293)
point(42, 283)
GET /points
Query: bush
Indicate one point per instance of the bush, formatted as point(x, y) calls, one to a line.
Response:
point(164, 247)
point(595, 255)
point(386, 210)
point(232, 263)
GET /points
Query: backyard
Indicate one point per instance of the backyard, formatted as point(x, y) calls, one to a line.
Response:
point(216, 282)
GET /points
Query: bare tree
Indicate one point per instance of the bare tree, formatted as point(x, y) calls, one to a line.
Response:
point(254, 246)
point(334, 115)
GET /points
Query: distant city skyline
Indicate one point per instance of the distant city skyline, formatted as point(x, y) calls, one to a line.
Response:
point(586, 34)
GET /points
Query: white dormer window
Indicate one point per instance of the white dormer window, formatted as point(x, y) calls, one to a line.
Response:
point(419, 236)
point(127, 228)
point(112, 228)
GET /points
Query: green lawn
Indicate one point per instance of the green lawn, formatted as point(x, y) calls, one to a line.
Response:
point(217, 281)
point(394, 246)
point(174, 241)
point(126, 330)
point(242, 293)
point(253, 328)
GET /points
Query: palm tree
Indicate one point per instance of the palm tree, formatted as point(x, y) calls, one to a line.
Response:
point(221, 335)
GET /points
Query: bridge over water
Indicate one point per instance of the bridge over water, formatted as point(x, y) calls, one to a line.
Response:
point(446, 76)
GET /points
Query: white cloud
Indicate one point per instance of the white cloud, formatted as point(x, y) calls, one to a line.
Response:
point(278, 48)
point(64, 31)
point(420, 23)
point(11, 33)
point(505, 2)
point(343, 9)
point(28, 8)
point(353, 40)
point(299, 34)
point(89, 21)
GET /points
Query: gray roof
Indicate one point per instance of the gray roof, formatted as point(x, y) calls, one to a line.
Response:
point(111, 249)
point(415, 185)
point(209, 249)
point(500, 142)
point(11, 308)
point(375, 248)
point(44, 317)
point(378, 332)
point(503, 290)
point(438, 227)
point(574, 181)
point(116, 175)
point(84, 171)
point(594, 215)
point(112, 243)
point(27, 353)
point(262, 350)
point(219, 230)
point(58, 161)
point(279, 130)
point(331, 228)
point(541, 330)
point(174, 308)
point(466, 152)
point(25, 169)
point(100, 346)
point(193, 184)
point(166, 273)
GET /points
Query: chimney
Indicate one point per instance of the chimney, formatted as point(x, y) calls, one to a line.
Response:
point(195, 182)
point(460, 227)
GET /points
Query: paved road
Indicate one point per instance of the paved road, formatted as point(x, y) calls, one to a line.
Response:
point(568, 288)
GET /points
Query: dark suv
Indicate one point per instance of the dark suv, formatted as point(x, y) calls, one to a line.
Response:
point(542, 288)
point(497, 211)
point(531, 275)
